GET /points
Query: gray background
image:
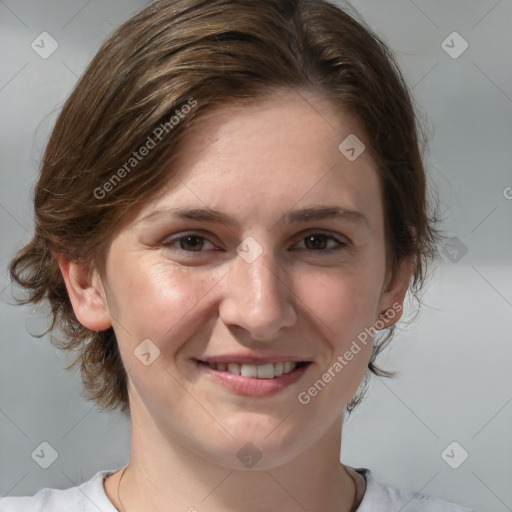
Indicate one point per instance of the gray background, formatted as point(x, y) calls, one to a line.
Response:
point(454, 381)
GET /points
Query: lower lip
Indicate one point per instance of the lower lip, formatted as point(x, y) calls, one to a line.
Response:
point(251, 385)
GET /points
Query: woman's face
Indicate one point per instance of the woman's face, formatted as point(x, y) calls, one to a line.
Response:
point(267, 246)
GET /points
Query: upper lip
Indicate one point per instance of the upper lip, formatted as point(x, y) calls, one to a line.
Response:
point(252, 359)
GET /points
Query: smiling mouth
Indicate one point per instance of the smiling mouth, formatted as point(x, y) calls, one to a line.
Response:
point(259, 371)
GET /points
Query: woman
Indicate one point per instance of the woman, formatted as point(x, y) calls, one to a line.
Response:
point(231, 209)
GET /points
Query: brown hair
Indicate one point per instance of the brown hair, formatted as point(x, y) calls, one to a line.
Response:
point(204, 53)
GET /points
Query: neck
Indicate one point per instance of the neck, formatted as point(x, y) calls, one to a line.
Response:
point(166, 476)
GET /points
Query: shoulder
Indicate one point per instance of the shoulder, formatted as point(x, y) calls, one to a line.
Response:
point(387, 498)
point(89, 496)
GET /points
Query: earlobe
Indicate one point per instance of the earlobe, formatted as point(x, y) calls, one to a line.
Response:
point(86, 293)
point(392, 298)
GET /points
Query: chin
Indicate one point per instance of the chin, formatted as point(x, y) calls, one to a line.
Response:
point(263, 451)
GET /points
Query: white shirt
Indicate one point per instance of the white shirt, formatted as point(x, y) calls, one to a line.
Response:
point(91, 497)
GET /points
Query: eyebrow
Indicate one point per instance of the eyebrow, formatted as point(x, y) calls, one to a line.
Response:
point(292, 217)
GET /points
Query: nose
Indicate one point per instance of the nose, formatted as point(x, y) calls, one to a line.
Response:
point(258, 299)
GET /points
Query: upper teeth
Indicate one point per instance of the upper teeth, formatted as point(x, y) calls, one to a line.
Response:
point(262, 371)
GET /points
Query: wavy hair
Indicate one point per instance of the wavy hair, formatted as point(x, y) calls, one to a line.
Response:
point(217, 52)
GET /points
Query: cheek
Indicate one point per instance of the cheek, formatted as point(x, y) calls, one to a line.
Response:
point(345, 301)
point(156, 300)
point(343, 308)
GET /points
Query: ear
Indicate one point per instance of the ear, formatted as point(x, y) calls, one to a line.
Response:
point(86, 293)
point(393, 295)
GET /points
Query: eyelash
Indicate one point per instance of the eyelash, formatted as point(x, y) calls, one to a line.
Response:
point(169, 243)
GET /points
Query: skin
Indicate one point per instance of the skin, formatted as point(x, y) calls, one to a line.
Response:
point(255, 163)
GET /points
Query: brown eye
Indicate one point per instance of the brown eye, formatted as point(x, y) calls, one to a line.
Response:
point(319, 242)
point(188, 243)
point(191, 242)
point(316, 242)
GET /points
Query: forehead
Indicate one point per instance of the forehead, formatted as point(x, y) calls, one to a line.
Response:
point(257, 160)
